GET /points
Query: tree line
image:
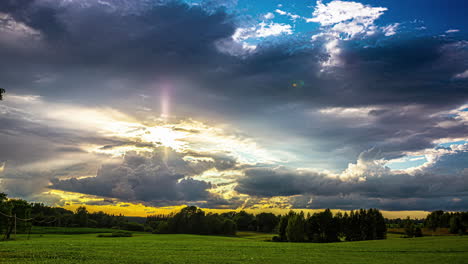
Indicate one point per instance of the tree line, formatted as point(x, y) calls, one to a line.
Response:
point(193, 220)
point(19, 216)
point(457, 222)
point(324, 227)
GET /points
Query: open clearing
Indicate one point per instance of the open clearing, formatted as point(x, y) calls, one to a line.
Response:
point(246, 248)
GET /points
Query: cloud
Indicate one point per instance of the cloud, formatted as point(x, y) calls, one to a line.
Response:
point(367, 183)
point(269, 15)
point(391, 30)
point(400, 94)
point(341, 20)
point(348, 18)
point(463, 75)
point(340, 11)
point(162, 178)
point(452, 31)
point(272, 29)
point(290, 15)
point(262, 30)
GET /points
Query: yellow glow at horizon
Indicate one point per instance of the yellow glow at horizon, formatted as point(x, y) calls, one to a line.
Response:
point(76, 200)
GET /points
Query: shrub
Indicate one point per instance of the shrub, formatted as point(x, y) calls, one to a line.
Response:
point(117, 234)
point(276, 239)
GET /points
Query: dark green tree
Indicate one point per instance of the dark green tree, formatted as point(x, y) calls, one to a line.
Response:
point(433, 220)
point(19, 219)
point(81, 217)
point(418, 232)
point(410, 228)
point(295, 228)
point(229, 227)
point(245, 221)
point(283, 224)
point(266, 222)
point(2, 91)
point(5, 211)
point(323, 227)
point(456, 225)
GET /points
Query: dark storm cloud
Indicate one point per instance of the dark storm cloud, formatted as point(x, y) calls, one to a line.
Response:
point(268, 182)
point(99, 43)
point(397, 71)
point(173, 39)
point(160, 179)
point(374, 186)
point(355, 201)
point(393, 131)
point(90, 52)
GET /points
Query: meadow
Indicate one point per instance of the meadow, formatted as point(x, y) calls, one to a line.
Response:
point(246, 247)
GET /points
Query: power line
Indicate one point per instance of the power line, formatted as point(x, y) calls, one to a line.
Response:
point(27, 220)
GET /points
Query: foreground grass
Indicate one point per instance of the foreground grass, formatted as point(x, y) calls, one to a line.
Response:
point(246, 248)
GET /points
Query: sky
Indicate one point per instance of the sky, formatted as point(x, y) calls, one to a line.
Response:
point(137, 106)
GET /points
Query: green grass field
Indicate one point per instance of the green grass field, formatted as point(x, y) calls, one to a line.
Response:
point(245, 248)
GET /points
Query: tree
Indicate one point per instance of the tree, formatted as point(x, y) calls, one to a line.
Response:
point(380, 226)
point(411, 229)
point(418, 232)
point(283, 224)
point(323, 227)
point(2, 91)
point(245, 221)
point(81, 216)
point(5, 211)
point(18, 217)
point(433, 220)
point(229, 227)
point(295, 228)
point(266, 222)
point(456, 225)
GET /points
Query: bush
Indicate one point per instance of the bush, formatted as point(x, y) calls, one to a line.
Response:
point(418, 232)
point(276, 239)
point(117, 234)
point(162, 228)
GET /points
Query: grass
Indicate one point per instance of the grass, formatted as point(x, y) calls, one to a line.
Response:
point(247, 247)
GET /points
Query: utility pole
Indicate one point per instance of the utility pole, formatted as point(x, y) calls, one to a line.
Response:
point(15, 226)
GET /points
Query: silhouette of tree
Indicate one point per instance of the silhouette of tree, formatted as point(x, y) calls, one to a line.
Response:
point(81, 216)
point(456, 225)
point(283, 224)
point(245, 221)
point(16, 215)
point(2, 91)
point(410, 228)
point(295, 228)
point(266, 222)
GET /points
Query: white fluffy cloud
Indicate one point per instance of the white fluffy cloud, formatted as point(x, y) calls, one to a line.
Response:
point(272, 29)
point(262, 30)
point(342, 20)
point(290, 15)
point(237, 45)
point(340, 11)
point(269, 15)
